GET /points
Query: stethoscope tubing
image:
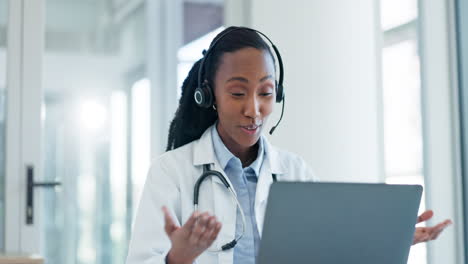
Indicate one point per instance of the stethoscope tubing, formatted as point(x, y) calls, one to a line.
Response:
point(207, 172)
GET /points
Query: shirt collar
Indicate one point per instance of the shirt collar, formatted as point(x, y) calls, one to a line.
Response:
point(224, 156)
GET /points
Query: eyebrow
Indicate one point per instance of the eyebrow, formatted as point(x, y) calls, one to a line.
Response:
point(244, 80)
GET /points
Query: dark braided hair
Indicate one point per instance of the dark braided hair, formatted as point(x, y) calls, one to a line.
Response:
point(190, 120)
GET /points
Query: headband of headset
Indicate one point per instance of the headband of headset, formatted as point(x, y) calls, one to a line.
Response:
point(204, 94)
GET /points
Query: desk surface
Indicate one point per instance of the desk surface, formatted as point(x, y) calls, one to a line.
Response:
point(11, 258)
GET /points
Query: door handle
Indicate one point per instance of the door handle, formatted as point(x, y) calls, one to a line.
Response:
point(30, 192)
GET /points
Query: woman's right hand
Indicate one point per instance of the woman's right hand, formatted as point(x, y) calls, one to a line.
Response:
point(190, 240)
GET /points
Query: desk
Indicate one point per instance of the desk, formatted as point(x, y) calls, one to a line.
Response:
point(10, 258)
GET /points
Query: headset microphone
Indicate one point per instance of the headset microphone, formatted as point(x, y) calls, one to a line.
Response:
point(281, 117)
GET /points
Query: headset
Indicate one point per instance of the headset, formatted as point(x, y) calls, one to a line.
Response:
point(203, 94)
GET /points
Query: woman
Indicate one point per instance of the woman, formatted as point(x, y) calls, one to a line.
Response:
point(222, 134)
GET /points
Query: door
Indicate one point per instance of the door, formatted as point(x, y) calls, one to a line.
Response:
point(89, 106)
point(3, 86)
point(78, 145)
point(95, 128)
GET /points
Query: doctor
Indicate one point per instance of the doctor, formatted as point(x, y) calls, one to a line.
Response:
point(226, 101)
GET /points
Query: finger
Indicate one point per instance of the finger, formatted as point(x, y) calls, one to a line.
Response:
point(205, 238)
point(199, 228)
point(169, 225)
point(447, 222)
point(191, 221)
point(210, 225)
point(435, 235)
point(199, 222)
point(425, 216)
point(441, 226)
point(215, 233)
point(436, 230)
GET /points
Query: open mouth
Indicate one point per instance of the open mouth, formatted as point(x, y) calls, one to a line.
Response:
point(250, 129)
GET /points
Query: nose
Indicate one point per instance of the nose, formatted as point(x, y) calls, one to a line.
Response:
point(252, 108)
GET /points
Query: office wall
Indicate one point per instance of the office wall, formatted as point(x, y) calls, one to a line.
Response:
point(331, 53)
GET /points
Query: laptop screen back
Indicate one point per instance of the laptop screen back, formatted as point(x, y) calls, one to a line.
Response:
point(339, 223)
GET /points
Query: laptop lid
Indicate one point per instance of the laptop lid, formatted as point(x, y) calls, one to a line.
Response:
point(329, 223)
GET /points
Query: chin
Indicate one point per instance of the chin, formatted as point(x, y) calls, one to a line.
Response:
point(250, 142)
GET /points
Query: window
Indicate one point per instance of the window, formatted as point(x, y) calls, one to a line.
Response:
point(3, 44)
point(190, 53)
point(203, 20)
point(402, 101)
point(96, 128)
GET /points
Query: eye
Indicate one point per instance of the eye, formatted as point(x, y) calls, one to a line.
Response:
point(237, 94)
point(266, 91)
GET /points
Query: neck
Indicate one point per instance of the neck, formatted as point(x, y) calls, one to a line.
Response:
point(246, 154)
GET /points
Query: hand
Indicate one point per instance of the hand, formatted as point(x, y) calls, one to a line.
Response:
point(190, 240)
point(424, 234)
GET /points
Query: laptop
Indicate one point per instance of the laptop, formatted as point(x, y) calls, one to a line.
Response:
point(336, 223)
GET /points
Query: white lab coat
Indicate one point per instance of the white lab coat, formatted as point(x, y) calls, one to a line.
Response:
point(170, 182)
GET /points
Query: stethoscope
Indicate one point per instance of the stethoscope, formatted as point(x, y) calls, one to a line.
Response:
point(208, 172)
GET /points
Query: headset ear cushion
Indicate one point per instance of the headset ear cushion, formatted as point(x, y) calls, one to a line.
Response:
point(198, 96)
point(209, 96)
point(279, 93)
point(203, 96)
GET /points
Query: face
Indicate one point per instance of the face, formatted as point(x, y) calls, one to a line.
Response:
point(245, 95)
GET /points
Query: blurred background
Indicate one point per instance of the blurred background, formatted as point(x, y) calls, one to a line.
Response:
point(374, 88)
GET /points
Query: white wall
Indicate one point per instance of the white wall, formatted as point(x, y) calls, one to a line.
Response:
point(331, 53)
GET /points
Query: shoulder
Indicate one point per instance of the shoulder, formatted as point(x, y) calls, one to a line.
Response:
point(181, 154)
point(290, 159)
point(172, 163)
point(294, 166)
point(184, 162)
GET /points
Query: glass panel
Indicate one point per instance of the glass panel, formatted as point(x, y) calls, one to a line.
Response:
point(397, 12)
point(202, 22)
point(190, 53)
point(140, 137)
point(401, 85)
point(3, 72)
point(94, 55)
point(402, 123)
point(462, 72)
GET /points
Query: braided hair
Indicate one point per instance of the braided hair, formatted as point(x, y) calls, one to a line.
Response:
point(190, 120)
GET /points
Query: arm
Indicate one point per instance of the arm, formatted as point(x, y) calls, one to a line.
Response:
point(157, 235)
point(149, 243)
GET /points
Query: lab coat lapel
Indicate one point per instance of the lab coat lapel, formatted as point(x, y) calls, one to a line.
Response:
point(203, 152)
point(261, 195)
point(225, 208)
point(271, 165)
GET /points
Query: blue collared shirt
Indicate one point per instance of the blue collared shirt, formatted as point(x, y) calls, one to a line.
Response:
point(244, 181)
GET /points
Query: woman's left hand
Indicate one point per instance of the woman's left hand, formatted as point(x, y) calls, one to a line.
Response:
point(424, 234)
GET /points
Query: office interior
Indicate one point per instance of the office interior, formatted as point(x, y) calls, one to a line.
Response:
point(376, 92)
